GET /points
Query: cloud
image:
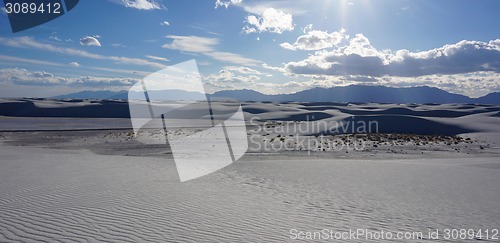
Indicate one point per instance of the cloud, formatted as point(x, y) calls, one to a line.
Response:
point(42, 75)
point(316, 40)
point(474, 84)
point(272, 20)
point(141, 4)
point(471, 84)
point(359, 57)
point(243, 70)
point(24, 77)
point(307, 28)
point(232, 58)
point(360, 45)
point(287, 6)
point(467, 67)
point(74, 64)
point(55, 38)
point(226, 79)
point(157, 58)
point(360, 79)
point(192, 43)
point(28, 42)
point(206, 46)
point(118, 45)
point(276, 69)
point(90, 41)
point(226, 4)
point(12, 59)
point(165, 23)
point(41, 78)
point(127, 72)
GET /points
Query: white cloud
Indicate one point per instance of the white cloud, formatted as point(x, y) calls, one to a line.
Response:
point(59, 39)
point(55, 38)
point(276, 69)
point(42, 74)
point(142, 4)
point(473, 84)
point(12, 59)
point(90, 41)
point(127, 72)
point(360, 45)
point(287, 6)
point(467, 67)
point(359, 57)
point(165, 23)
point(307, 28)
point(28, 42)
point(157, 58)
point(243, 70)
point(226, 4)
point(316, 40)
point(17, 76)
point(192, 43)
point(74, 64)
point(272, 20)
point(226, 79)
point(118, 45)
point(207, 47)
point(232, 58)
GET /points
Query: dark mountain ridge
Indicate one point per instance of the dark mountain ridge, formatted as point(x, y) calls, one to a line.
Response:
point(353, 93)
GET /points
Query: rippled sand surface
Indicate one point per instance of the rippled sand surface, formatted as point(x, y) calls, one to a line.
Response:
point(75, 196)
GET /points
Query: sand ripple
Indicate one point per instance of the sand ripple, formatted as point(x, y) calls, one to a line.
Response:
point(62, 196)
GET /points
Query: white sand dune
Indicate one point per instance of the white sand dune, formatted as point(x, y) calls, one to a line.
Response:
point(62, 123)
point(451, 119)
point(122, 191)
point(77, 196)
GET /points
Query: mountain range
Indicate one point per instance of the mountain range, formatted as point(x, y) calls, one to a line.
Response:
point(353, 93)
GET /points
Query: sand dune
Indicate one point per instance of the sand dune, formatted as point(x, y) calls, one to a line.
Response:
point(448, 119)
point(75, 179)
point(420, 119)
point(70, 108)
point(58, 195)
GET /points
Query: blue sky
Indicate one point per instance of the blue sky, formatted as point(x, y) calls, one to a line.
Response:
point(269, 46)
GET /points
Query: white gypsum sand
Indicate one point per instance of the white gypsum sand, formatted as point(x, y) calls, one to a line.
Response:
point(75, 179)
point(59, 195)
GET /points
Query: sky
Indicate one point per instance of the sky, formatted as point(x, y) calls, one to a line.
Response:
point(271, 46)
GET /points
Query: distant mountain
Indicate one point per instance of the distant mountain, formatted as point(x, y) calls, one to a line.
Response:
point(124, 95)
point(164, 95)
point(354, 93)
point(493, 98)
point(244, 95)
point(102, 95)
